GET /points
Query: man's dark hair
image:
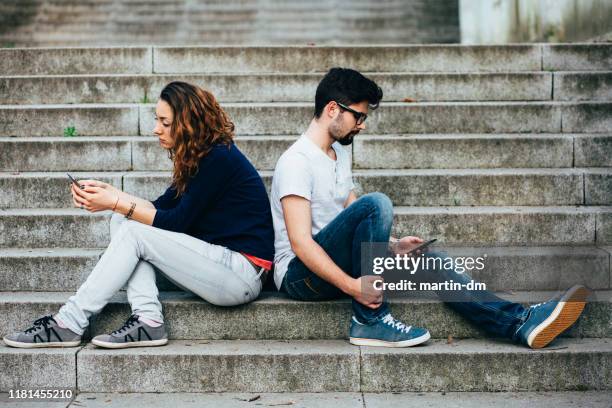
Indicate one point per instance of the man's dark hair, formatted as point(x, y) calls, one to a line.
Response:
point(346, 86)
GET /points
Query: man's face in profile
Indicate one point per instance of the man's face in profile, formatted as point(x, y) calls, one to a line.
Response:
point(344, 127)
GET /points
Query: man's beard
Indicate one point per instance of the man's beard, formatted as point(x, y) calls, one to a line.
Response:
point(346, 140)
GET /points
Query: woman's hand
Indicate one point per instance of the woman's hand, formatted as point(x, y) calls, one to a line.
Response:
point(94, 198)
point(101, 184)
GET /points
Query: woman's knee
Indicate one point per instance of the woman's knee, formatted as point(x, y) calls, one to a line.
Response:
point(130, 228)
point(115, 223)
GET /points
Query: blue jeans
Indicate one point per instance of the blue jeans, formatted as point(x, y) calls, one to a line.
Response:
point(497, 316)
point(369, 219)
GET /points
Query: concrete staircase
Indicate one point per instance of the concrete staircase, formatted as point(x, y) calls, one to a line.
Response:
point(185, 22)
point(503, 150)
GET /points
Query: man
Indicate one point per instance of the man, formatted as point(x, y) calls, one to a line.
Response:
point(320, 226)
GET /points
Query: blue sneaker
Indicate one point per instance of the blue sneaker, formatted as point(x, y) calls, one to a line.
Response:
point(547, 320)
point(386, 332)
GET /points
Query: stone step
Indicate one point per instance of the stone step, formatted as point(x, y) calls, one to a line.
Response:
point(273, 316)
point(241, 59)
point(117, 153)
point(557, 399)
point(507, 225)
point(507, 268)
point(292, 118)
point(50, 61)
point(582, 86)
point(393, 58)
point(523, 86)
point(391, 152)
point(312, 366)
point(421, 187)
point(53, 368)
point(426, 151)
point(480, 225)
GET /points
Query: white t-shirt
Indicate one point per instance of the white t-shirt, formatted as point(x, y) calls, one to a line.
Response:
point(306, 171)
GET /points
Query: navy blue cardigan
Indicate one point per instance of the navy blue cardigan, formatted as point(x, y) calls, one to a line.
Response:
point(225, 204)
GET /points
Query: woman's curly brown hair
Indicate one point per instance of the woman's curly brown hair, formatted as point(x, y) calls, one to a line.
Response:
point(199, 123)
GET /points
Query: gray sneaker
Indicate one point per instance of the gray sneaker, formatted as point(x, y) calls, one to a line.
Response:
point(45, 332)
point(134, 333)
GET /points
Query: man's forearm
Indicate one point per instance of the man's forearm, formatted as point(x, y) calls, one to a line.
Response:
point(316, 260)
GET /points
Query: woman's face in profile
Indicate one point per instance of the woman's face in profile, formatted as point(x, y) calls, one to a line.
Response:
point(163, 124)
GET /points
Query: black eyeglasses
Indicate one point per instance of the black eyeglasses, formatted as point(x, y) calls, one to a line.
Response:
point(360, 117)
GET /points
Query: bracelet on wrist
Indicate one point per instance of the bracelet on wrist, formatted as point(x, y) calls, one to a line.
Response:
point(116, 202)
point(129, 214)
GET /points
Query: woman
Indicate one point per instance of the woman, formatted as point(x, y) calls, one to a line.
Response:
point(210, 233)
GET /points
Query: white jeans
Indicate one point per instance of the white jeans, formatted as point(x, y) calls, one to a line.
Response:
point(214, 273)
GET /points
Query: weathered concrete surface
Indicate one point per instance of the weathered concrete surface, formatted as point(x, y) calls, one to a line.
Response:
point(459, 117)
point(274, 87)
point(43, 228)
point(604, 228)
point(69, 153)
point(189, 317)
point(311, 366)
point(46, 269)
point(67, 61)
point(587, 117)
point(499, 225)
point(591, 86)
point(221, 400)
point(37, 369)
point(45, 189)
point(476, 365)
point(437, 58)
point(598, 187)
point(593, 150)
point(54, 120)
point(219, 366)
point(577, 57)
point(475, 187)
point(554, 399)
point(462, 151)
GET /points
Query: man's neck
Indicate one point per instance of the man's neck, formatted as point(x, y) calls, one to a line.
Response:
point(320, 137)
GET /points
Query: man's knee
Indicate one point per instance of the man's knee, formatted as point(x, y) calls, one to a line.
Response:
point(381, 204)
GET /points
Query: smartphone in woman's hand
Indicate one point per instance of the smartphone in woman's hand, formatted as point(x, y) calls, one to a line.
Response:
point(75, 182)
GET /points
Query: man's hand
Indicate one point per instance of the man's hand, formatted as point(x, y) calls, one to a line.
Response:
point(406, 244)
point(365, 293)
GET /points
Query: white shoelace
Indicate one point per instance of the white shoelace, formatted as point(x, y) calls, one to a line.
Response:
point(396, 324)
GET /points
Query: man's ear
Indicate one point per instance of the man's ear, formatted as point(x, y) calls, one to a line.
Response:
point(331, 109)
